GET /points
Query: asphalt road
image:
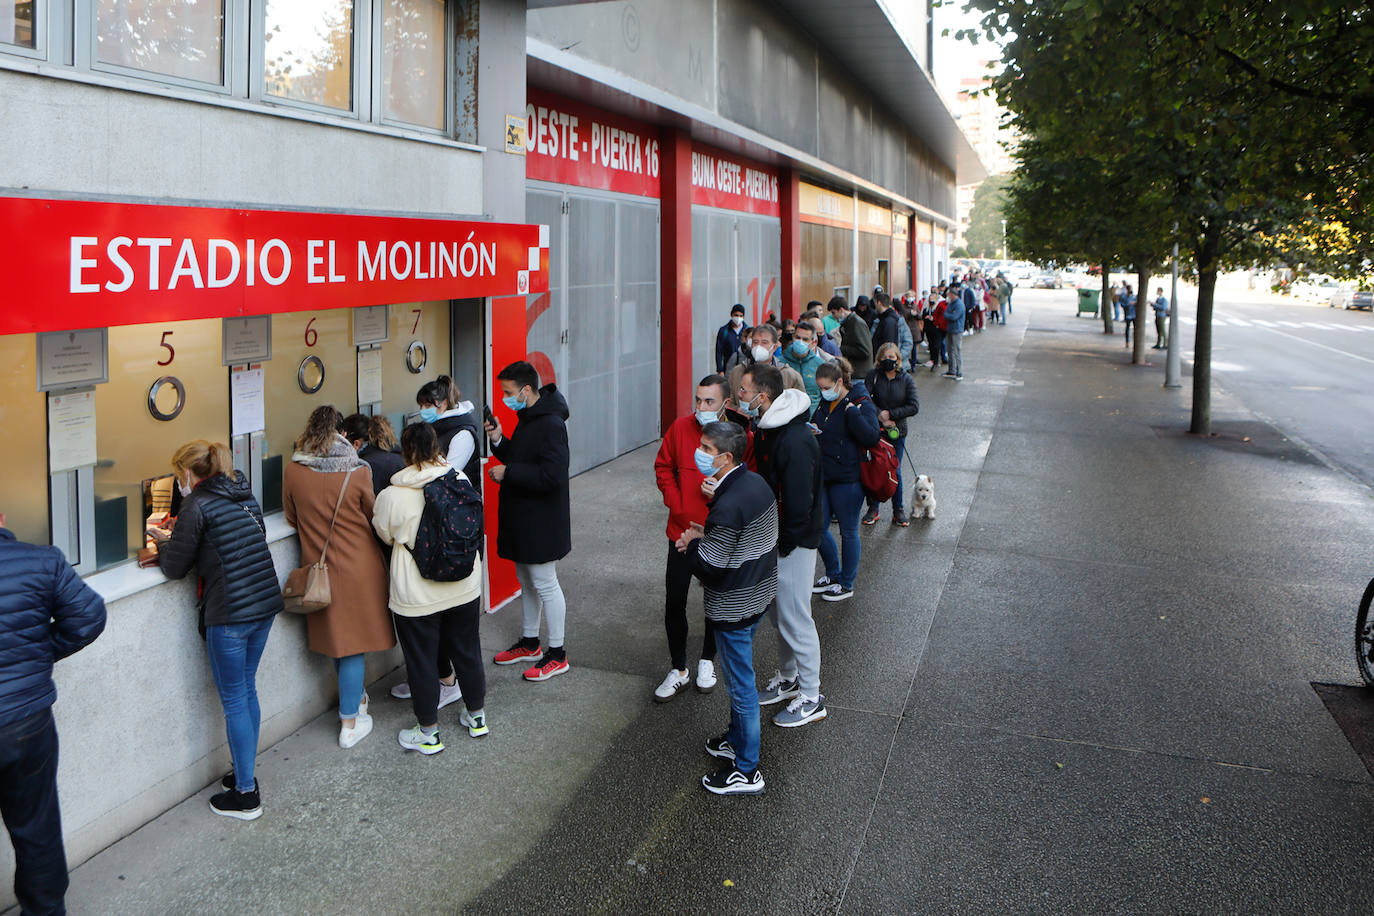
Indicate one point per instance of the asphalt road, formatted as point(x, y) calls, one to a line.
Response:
point(1307, 369)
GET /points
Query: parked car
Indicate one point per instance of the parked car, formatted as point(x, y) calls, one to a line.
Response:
point(1047, 280)
point(1317, 288)
point(1364, 300)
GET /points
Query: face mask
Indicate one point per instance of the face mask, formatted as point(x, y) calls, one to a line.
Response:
point(888, 364)
point(830, 394)
point(185, 490)
point(800, 348)
point(706, 464)
point(749, 409)
point(429, 414)
point(760, 354)
point(514, 403)
point(737, 321)
point(707, 416)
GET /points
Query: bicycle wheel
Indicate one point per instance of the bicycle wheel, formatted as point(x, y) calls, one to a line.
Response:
point(1364, 636)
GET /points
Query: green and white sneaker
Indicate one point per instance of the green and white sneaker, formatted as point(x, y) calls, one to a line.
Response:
point(414, 739)
point(475, 722)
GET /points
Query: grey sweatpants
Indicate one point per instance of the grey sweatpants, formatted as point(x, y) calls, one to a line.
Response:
point(799, 648)
point(539, 590)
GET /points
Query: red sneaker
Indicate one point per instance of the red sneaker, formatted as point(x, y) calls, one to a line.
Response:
point(516, 653)
point(548, 667)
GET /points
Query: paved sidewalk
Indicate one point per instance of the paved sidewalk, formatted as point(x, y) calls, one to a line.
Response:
point(1083, 689)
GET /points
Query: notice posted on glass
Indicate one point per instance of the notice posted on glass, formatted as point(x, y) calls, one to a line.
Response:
point(247, 389)
point(71, 430)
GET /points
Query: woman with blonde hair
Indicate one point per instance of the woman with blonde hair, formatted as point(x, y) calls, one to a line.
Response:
point(328, 488)
point(219, 530)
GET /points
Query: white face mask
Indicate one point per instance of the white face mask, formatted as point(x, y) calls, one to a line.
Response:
point(737, 321)
point(184, 488)
point(707, 416)
point(760, 353)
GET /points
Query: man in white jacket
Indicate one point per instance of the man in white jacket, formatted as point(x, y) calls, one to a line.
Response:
point(431, 617)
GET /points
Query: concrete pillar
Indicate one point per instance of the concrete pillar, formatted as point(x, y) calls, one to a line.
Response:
point(675, 306)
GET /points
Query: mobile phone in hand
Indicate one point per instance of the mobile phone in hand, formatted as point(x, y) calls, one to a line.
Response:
point(488, 416)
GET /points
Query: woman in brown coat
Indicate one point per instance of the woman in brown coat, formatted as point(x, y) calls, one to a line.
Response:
point(357, 621)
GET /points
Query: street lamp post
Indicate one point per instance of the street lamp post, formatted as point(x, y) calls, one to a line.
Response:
point(1004, 240)
point(1174, 353)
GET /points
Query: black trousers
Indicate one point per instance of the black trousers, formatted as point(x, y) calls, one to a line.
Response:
point(429, 643)
point(28, 802)
point(677, 582)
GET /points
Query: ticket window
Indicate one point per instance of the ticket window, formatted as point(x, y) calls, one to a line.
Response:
point(315, 362)
point(167, 386)
point(23, 417)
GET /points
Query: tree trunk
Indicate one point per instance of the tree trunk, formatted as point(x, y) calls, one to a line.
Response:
point(1105, 303)
point(1202, 346)
point(1142, 279)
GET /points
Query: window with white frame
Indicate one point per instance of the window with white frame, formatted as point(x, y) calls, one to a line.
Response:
point(374, 61)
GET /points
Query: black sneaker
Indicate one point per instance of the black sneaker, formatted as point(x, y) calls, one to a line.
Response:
point(228, 782)
point(246, 806)
point(720, 747)
point(837, 592)
point(730, 781)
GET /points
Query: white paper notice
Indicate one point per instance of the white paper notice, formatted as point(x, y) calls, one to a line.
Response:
point(370, 376)
point(71, 430)
point(246, 395)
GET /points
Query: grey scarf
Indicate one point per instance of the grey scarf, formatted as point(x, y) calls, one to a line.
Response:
point(341, 457)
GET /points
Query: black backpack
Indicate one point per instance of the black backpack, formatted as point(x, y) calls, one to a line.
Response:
point(449, 539)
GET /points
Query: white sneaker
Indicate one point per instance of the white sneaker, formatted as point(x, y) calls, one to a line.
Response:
point(401, 691)
point(362, 727)
point(706, 676)
point(448, 694)
point(672, 685)
point(362, 704)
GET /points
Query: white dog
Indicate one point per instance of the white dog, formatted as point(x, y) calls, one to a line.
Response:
point(923, 498)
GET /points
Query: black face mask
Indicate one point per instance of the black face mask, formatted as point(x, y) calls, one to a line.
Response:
point(888, 364)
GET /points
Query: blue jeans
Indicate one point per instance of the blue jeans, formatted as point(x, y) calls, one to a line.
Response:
point(235, 650)
point(845, 501)
point(899, 445)
point(350, 669)
point(735, 654)
point(28, 802)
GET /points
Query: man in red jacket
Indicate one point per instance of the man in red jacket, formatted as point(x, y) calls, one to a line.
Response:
point(681, 481)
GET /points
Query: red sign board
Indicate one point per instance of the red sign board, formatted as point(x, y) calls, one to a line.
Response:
point(570, 143)
point(733, 183)
point(86, 264)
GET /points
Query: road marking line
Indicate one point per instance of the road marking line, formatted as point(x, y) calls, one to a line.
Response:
point(1240, 322)
point(1262, 323)
point(1288, 324)
point(1313, 343)
point(1319, 326)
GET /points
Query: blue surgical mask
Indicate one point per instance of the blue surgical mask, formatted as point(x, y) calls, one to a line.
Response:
point(429, 414)
point(514, 403)
point(830, 394)
point(800, 348)
point(707, 416)
point(748, 408)
point(706, 464)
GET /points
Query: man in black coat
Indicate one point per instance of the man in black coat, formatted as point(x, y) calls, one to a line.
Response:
point(789, 459)
point(885, 329)
point(46, 614)
point(534, 521)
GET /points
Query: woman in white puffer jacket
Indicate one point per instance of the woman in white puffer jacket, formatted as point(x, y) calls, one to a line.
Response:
point(433, 620)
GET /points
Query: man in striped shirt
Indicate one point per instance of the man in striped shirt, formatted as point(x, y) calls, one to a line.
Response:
point(735, 555)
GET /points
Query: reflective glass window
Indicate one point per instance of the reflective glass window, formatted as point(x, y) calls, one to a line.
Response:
point(308, 53)
point(179, 38)
point(16, 23)
point(413, 61)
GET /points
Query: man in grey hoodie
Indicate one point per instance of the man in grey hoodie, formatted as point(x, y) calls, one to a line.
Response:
point(789, 458)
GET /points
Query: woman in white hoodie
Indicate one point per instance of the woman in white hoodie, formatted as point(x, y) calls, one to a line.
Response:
point(433, 619)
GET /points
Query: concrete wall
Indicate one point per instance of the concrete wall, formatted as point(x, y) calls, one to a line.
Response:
point(76, 138)
point(748, 62)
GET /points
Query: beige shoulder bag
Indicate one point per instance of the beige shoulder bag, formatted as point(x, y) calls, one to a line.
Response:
point(307, 588)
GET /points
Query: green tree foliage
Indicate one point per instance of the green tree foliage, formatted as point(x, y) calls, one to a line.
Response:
point(1237, 120)
point(984, 236)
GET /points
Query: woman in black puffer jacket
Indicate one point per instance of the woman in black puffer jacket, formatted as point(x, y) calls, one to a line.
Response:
point(893, 391)
point(220, 531)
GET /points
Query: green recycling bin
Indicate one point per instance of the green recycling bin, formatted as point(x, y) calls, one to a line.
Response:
point(1087, 301)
